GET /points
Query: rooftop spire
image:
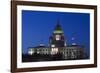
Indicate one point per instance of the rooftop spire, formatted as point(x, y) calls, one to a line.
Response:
point(58, 28)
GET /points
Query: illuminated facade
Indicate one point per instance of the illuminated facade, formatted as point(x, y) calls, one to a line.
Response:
point(58, 46)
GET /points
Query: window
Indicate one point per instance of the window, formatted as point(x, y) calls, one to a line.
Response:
point(57, 37)
point(31, 51)
point(52, 45)
point(54, 51)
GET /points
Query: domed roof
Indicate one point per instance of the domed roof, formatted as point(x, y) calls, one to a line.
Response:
point(58, 28)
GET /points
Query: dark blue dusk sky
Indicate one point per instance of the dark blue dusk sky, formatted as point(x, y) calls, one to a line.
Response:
point(37, 26)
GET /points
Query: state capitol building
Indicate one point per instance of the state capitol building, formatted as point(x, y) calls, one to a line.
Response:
point(58, 46)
